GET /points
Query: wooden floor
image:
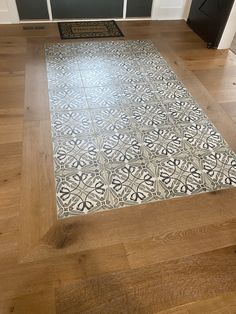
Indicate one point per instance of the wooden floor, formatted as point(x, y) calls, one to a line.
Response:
point(172, 257)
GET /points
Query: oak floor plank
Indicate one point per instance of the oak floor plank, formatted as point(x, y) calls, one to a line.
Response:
point(223, 304)
point(177, 310)
point(152, 288)
point(220, 82)
point(31, 278)
point(230, 109)
point(39, 303)
point(174, 245)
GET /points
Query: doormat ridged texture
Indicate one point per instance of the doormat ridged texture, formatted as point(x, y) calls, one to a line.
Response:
point(99, 29)
point(126, 131)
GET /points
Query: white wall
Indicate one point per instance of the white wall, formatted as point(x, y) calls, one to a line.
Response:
point(229, 31)
point(8, 12)
point(171, 9)
point(4, 12)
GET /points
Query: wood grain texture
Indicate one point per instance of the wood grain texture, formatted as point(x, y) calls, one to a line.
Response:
point(176, 256)
point(152, 288)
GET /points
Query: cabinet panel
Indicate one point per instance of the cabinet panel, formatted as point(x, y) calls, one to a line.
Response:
point(208, 19)
point(30, 10)
point(86, 9)
point(139, 8)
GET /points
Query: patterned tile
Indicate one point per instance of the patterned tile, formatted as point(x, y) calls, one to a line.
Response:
point(132, 183)
point(64, 79)
point(163, 143)
point(67, 99)
point(184, 111)
point(202, 137)
point(119, 148)
point(71, 123)
point(160, 73)
point(98, 77)
point(80, 192)
point(220, 167)
point(138, 93)
point(110, 119)
point(126, 131)
point(149, 116)
point(106, 96)
point(170, 90)
point(180, 176)
point(75, 153)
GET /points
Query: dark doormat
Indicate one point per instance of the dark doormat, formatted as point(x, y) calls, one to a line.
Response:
point(73, 30)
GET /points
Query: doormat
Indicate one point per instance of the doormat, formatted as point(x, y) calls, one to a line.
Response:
point(126, 131)
point(99, 29)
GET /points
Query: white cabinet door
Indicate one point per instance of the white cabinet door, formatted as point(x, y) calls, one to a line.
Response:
point(8, 12)
point(171, 9)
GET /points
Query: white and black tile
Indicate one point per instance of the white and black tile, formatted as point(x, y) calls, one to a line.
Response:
point(64, 79)
point(162, 143)
point(110, 119)
point(180, 176)
point(119, 148)
point(220, 167)
point(67, 99)
point(149, 116)
point(71, 123)
point(75, 153)
point(184, 111)
point(201, 137)
point(80, 192)
point(171, 90)
point(105, 96)
point(138, 93)
point(126, 131)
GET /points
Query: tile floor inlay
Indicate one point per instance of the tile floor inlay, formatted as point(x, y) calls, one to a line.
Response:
point(126, 131)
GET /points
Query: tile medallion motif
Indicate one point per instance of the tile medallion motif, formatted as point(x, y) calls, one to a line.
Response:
point(126, 131)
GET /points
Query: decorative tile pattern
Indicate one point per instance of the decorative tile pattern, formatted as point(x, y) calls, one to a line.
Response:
point(126, 131)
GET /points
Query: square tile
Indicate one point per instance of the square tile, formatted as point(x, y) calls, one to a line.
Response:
point(138, 93)
point(163, 143)
point(71, 123)
point(75, 153)
point(170, 90)
point(80, 192)
point(98, 77)
point(184, 111)
point(64, 79)
point(67, 99)
point(132, 184)
point(160, 73)
point(180, 176)
point(220, 168)
point(106, 96)
point(202, 137)
point(119, 148)
point(92, 62)
point(110, 119)
point(149, 116)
